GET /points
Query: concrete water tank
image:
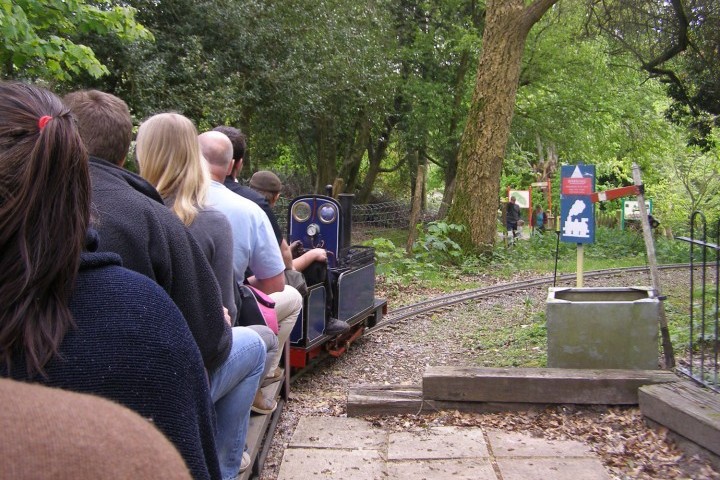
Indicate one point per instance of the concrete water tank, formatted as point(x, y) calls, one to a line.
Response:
point(614, 327)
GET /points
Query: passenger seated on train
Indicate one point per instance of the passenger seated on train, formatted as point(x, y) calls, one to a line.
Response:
point(239, 144)
point(135, 223)
point(255, 246)
point(53, 433)
point(269, 186)
point(261, 198)
point(169, 157)
point(72, 317)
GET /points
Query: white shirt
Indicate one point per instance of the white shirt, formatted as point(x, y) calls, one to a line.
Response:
point(254, 243)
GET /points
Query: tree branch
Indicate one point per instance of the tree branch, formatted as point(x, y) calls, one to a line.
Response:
point(535, 11)
point(392, 169)
point(439, 163)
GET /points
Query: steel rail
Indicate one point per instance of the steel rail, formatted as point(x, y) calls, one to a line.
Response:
point(437, 303)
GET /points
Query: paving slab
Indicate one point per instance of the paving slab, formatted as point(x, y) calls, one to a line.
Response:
point(337, 432)
point(323, 463)
point(351, 448)
point(517, 444)
point(531, 468)
point(455, 469)
point(438, 442)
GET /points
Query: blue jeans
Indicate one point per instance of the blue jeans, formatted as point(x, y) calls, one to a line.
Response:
point(232, 388)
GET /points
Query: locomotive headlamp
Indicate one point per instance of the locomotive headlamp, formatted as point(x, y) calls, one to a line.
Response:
point(301, 211)
point(327, 213)
point(312, 229)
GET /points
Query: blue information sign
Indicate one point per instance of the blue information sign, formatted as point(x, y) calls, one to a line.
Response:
point(577, 212)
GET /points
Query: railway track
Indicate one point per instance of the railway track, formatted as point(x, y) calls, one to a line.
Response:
point(438, 303)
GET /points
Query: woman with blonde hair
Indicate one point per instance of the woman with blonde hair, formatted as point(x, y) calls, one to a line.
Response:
point(169, 157)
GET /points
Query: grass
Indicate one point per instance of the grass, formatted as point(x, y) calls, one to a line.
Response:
point(497, 334)
point(508, 338)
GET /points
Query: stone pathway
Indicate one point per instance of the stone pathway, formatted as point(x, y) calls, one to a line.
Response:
point(351, 448)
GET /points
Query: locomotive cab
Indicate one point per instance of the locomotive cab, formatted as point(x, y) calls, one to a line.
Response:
point(342, 289)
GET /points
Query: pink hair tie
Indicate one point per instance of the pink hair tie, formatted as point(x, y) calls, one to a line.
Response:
point(43, 121)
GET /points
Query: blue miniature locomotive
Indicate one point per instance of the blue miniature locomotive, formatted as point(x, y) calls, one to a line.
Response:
point(341, 292)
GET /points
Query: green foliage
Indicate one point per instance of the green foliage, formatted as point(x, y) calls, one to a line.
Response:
point(431, 251)
point(612, 248)
point(392, 262)
point(38, 36)
point(434, 245)
point(435, 254)
point(585, 101)
point(686, 181)
point(676, 42)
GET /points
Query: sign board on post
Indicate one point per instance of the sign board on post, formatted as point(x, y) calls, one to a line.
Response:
point(577, 213)
point(522, 197)
point(631, 210)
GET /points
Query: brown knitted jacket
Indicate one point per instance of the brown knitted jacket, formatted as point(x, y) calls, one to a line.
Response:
point(52, 433)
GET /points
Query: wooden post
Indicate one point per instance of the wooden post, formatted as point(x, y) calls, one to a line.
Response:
point(652, 263)
point(580, 265)
point(416, 208)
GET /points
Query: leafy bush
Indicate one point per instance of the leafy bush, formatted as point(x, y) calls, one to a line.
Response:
point(432, 249)
point(434, 244)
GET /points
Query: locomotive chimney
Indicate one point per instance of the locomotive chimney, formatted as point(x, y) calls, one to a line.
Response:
point(346, 203)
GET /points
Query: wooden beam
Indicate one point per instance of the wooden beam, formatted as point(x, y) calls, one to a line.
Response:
point(366, 400)
point(539, 385)
point(384, 400)
point(686, 409)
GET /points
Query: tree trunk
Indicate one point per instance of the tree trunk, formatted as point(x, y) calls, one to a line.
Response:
point(370, 177)
point(484, 140)
point(326, 148)
point(413, 161)
point(415, 212)
point(376, 152)
point(447, 199)
point(452, 154)
point(353, 160)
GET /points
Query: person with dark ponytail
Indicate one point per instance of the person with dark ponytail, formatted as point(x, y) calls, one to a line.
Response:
point(73, 318)
point(44, 212)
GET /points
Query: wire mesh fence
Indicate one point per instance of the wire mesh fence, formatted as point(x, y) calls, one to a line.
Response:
point(395, 214)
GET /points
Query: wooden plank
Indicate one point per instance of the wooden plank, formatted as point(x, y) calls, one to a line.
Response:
point(539, 385)
point(260, 431)
point(686, 409)
point(365, 400)
point(384, 400)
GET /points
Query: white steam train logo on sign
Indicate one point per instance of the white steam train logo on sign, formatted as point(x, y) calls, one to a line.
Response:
point(576, 227)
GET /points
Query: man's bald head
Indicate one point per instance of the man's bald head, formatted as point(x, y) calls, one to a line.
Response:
point(217, 149)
